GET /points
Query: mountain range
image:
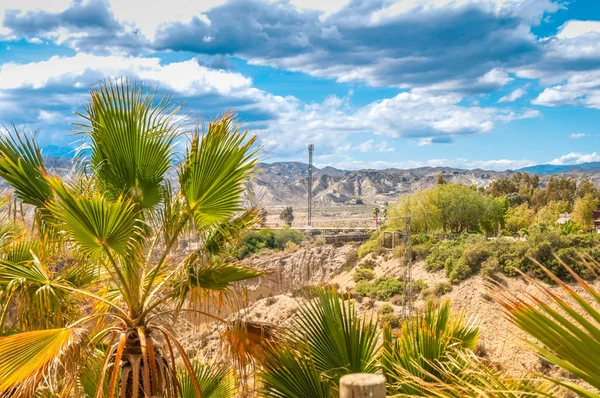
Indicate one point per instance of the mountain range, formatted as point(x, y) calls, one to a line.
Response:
point(285, 183)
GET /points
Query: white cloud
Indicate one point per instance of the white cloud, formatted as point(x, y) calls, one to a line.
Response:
point(576, 158)
point(497, 164)
point(513, 96)
point(580, 88)
point(366, 146)
point(578, 135)
point(186, 77)
point(575, 28)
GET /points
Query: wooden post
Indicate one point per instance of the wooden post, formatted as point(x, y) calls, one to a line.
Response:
point(362, 385)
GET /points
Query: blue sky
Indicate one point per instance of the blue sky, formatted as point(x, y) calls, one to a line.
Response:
point(494, 84)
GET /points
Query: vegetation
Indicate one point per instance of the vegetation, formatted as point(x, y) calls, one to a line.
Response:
point(363, 274)
point(86, 289)
point(287, 216)
point(381, 289)
point(431, 355)
point(326, 341)
point(251, 242)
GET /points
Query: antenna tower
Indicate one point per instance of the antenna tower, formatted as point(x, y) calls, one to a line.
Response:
point(311, 148)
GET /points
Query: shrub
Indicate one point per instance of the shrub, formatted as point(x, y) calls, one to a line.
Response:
point(370, 264)
point(369, 246)
point(291, 246)
point(363, 274)
point(252, 242)
point(351, 259)
point(418, 286)
point(391, 319)
point(386, 309)
point(320, 241)
point(381, 289)
point(490, 267)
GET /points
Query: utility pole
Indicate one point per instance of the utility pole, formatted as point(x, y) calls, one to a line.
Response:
point(311, 148)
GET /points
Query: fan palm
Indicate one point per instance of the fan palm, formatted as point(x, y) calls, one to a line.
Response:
point(326, 341)
point(103, 250)
point(423, 343)
point(566, 334)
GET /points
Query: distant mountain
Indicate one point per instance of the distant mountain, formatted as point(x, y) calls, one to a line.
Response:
point(285, 183)
point(542, 169)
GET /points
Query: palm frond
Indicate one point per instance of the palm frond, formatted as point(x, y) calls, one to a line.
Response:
point(215, 380)
point(464, 375)
point(40, 297)
point(567, 335)
point(219, 277)
point(22, 166)
point(337, 339)
point(215, 171)
point(425, 341)
point(94, 222)
point(131, 135)
point(24, 357)
point(285, 373)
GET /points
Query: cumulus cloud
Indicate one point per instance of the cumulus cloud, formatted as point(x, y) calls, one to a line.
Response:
point(513, 96)
point(339, 40)
point(576, 158)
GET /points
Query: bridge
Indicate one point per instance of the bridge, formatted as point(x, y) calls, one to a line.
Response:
point(335, 234)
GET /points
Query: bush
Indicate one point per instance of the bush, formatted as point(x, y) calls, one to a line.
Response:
point(490, 267)
point(291, 246)
point(363, 274)
point(351, 260)
point(370, 264)
point(254, 241)
point(371, 245)
point(439, 289)
point(418, 286)
point(386, 309)
point(381, 289)
point(391, 319)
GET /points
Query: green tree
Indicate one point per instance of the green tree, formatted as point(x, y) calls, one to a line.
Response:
point(422, 206)
point(287, 216)
point(583, 211)
point(549, 214)
point(108, 239)
point(493, 214)
point(519, 217)
point(460, 208)
point(585, 187)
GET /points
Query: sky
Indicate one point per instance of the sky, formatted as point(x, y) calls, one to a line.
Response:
point(492, 84)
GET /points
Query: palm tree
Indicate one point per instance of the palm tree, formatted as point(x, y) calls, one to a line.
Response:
point(326, 341)
point(100, 262)
point(565, 334)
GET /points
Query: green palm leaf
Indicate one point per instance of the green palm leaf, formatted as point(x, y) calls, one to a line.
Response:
point(464, 375)
point(335, 337)
point(216, 277)
point(26, 356)
point(22, 166)
point(567, 335)
point(94, 222)
point(423, 343)
point(286, 373)
point(131, 136)
point(215, 172)
point(215, 380)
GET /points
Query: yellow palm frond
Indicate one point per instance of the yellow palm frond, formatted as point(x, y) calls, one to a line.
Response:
point(24, 357)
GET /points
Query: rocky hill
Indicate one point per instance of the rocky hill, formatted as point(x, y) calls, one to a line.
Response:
point(285, 183)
